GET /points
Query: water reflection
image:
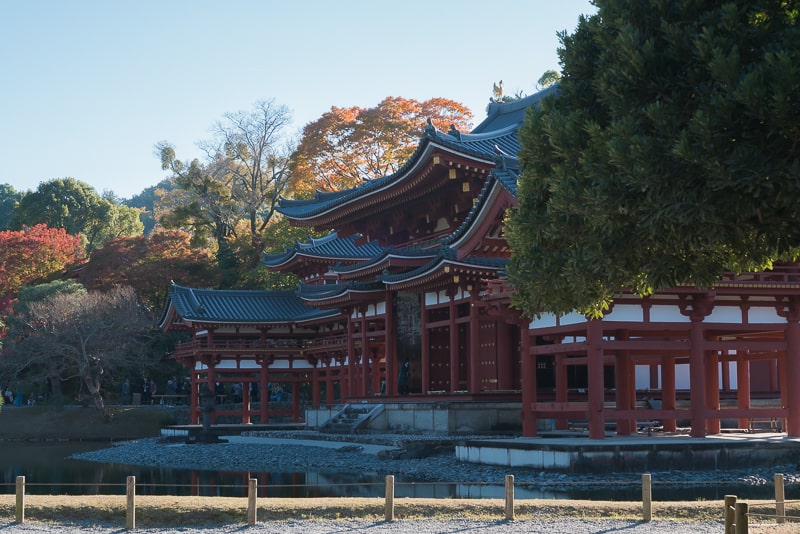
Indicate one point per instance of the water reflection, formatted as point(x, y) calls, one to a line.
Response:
point(49, 470)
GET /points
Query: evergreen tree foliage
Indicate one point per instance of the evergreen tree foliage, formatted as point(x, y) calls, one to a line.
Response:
point(670, 155)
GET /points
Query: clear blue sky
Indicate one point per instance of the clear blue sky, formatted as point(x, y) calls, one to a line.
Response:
point(90, 86)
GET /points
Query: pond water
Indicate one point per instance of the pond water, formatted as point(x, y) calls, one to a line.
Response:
point(49, 470)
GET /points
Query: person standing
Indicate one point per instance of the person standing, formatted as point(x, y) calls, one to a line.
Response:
point(126, 391)
point(402, 378)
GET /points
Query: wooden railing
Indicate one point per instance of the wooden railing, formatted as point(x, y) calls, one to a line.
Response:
point(736, 514)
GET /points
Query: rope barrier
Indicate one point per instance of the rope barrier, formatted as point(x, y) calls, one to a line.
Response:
point(775, 516)
point(522, 483)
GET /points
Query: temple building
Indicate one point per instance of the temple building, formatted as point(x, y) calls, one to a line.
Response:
point(404, 300)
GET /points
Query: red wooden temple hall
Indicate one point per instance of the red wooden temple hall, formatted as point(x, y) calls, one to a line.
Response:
point(412, 269)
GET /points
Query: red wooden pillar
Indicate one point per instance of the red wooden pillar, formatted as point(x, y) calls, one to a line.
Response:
point(349, 383)
point(784, 383)
point(712, 390)
point(246, 402)
point(562, 391)
point(315, 386)
point(725, 369)
point(528, 369)
point(697, 377)
point(194, 397)
point(793, 367)
point(742, 386)
point(212, 385)
point(330, 371)
point(376, 374)
point(263, 392)
point(425, 358)
point(504, 355)
point(596, 390)
point(668, 391)
point(774, 383)
point(474, 347)
point(622, 377)
point(454, 355)
point(365, 355)
point(390, 343)
point(296, 400)
point(632, 388)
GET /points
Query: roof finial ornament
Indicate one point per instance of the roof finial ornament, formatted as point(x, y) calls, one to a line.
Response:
point(430, 129)
point(498, 92)
point(500, 157)
point(454, 132)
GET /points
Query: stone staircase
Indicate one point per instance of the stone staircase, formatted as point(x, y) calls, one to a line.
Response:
point(351, 418)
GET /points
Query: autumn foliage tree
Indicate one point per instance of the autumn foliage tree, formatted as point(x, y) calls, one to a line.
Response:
point(349, 145)
point(148, 264)
point(35, 254)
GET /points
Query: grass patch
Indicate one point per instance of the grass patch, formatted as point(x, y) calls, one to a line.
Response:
point(170, 511)
point(79, 423)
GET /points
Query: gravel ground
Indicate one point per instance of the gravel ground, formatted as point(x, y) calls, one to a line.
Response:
point(566, 526)
point(426, 458)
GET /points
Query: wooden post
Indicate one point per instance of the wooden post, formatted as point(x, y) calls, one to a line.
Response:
point(741, 518)
point(130, 514)
point(647, 498)
point(20, 514)
point(509, 497)
point(252, 489)
point(780, 504)
point(730, 504)
point(389, 497)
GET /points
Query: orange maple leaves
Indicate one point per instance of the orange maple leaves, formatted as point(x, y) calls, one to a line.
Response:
point(34, 255)
point(349, 145)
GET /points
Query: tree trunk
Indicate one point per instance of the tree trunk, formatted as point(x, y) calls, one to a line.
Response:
point(93, 387)
point(56, 395)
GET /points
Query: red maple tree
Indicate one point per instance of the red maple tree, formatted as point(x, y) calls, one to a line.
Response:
point(34, 255)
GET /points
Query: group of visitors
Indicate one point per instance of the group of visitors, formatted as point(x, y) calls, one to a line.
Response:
point(147, 392)
point(233, 392)
point(16, 399)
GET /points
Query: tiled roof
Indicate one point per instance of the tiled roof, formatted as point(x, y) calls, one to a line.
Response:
point(482, 146)
point(331, 247)
point(497, 134)
point(310, 292)
point(241, 306)
point(445, 258)
point(400, 253)
point(508, 178)
point(501, 115)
